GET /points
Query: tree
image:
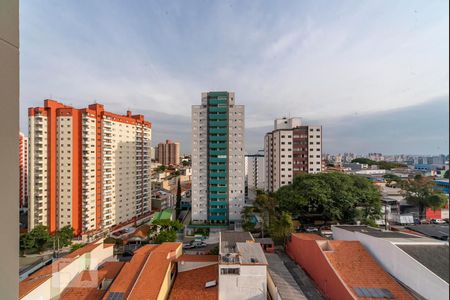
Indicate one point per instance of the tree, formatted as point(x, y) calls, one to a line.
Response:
point(365, 161)
point(169, 224)
point(39, 237)
point(281, 228)
point(186, 163)
point(166, 236)
point(390, 178)
point(387, 165)
point(247, 215)
point(64, 236)
point(329, 197)
point(265, 204)
point(446, 174)
point(178, 205)
point(161, 168)
point(421, 193)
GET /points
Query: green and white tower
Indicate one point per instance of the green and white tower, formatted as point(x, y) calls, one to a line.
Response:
point(218, 167)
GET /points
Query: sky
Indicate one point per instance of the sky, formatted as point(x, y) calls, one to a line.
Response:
point(374, 73)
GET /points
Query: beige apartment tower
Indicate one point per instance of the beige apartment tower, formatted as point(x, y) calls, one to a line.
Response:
point(290, 149)
point(88, 168)
point(168, 153)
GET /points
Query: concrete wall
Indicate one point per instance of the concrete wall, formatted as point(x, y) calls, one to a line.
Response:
point(9, 150)
point(251, 283)
point(272, 289)
point(184, 266)
point(308, 254)
point(399, 264)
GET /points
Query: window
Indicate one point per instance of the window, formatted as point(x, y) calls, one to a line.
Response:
point(230, 271)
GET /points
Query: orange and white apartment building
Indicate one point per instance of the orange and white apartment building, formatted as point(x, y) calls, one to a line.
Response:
point(88, 168)
point(23, 170)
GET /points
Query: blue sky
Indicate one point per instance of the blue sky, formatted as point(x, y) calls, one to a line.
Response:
point(337, 63)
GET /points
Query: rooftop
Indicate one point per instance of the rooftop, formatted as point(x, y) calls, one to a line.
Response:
point(433, 257)
point(251, 253)
point(308, 236)
point(358, 269)
point(143, 276)
point(198, 258)
point(287, 287)
point(392, 236)
point(439, 232)
point(228, 240)
point(85, 286)
point(43, 274)
point(264, 241)
point(193, 282)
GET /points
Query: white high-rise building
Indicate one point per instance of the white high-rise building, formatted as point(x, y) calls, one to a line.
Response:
point(88, 168)
point(290, 149)
point(23, 170)
point(218, 183)
point(254, 175)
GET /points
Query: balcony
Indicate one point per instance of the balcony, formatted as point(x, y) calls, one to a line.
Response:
point(217, 145)
point(218, 138)
point(218, 123)
point(217, 116)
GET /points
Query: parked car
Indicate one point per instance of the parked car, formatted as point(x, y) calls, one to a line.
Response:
point(424, 221)
point(194, 244)
point(311, 229)
point(437, 221)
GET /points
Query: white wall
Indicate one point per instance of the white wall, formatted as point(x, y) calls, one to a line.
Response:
point(251, 283)
point(399, 264)
point(9, 150)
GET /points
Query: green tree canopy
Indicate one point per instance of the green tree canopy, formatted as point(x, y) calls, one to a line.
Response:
point(64, 235)
point(330, 197)
point(166, 236)
point(38, 238)
point(446, 174)
point(169, 224)
point(366, 161)
point(281, 228)
point(421, 192)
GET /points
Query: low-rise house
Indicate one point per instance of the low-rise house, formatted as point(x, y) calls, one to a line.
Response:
point(420, 263)
point(242, 267)
point(148, 275)
point(50, 281)
point(343, 269)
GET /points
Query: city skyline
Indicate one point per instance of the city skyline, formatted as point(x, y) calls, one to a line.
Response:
point(328, 65)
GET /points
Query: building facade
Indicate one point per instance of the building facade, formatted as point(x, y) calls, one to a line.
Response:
point(290, 149)
point(169, 153)
point(254, 175)
point(23, 170)
point(218, 181)
point(88, 168)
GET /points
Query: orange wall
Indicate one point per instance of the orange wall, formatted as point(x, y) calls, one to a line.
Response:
point(310, 257)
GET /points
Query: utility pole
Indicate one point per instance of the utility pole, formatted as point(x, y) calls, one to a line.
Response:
point(385, 216)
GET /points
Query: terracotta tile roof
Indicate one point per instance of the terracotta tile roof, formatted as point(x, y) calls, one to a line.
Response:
point(142, 277)
point(308, 236)
point(85, 286)
point(42, 275)
point(126, 278)
point(150, 280)
point(192, 283)
point(358, 268)
point(198, 258)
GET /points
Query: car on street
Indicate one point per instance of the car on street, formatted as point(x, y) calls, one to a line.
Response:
point(194, 244)
point(437, 221)
point(311, 229)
